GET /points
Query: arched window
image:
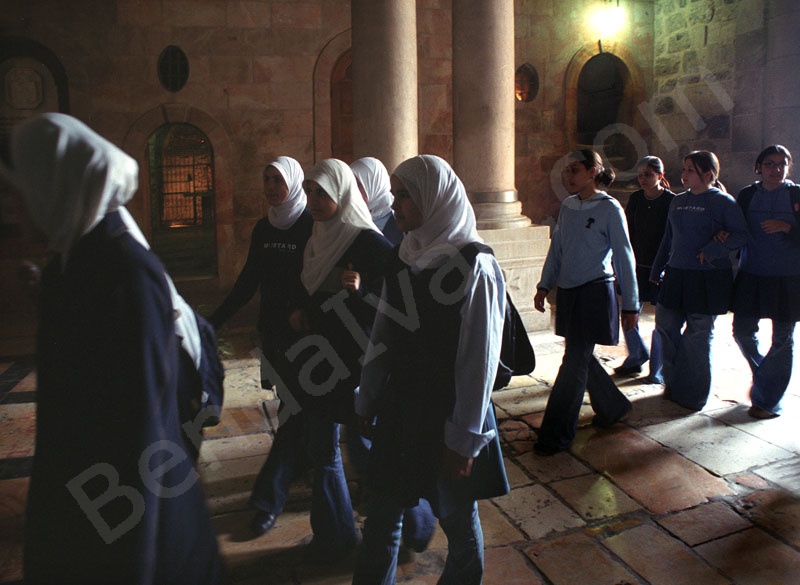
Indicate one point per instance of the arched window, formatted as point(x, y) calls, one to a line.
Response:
point(181, 162)
point(32, 81)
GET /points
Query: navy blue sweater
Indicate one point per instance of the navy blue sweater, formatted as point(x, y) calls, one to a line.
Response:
point(273, 265)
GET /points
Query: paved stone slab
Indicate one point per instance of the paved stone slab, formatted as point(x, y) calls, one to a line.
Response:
point(243, 385)
point(781, 431)
point(18, 430)
point(507, 566)
point(496, 527)
point(239, 420)
point(537, 511)
point(227, 484)
point(662, 560)
point(594, 497)
point(785, 473)
point(520, 401)
point(753, 557)
point(13, 497)
point(235, 447)
point(549, 469)
point(516, 476)
point(658, 478)
point(720, 448)
point(517, 435)
point(576, 558)
point(704, 523)
point(775, 510)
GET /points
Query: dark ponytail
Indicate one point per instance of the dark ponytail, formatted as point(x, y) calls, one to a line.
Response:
point(590, 159)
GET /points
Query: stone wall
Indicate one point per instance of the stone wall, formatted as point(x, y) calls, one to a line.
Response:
point(716, 74)
point(250, 84)
point(726, 81)
point(552, 36)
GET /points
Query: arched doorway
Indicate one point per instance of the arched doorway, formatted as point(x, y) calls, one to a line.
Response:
point(342, 108)
point(328, 59)
point(182, 190)
point(604, 88)
point(601, 97)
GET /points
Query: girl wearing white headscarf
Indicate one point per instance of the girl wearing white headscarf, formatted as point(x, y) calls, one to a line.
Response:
point(373, 182)
point(274, 260)
point(273, 267)
point(107, 357)
point(345, 252)
point(431, 377)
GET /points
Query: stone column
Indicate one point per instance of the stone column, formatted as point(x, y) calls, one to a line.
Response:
point(483, 145)
point(385, 80)
point(483, 109)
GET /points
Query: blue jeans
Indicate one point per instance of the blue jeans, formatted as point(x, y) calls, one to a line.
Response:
point(580, 371)
point(638, 354)
point(686, 354)
point(771, 372)
point(418, 521)
point(457, 511)
point(310, 437)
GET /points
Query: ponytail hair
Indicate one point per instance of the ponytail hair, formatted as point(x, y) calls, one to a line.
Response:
point(706, 161)
point(657, 165)
point(590, 159)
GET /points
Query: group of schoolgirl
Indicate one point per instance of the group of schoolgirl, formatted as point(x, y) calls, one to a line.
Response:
point(677, 252)
point(333, 285)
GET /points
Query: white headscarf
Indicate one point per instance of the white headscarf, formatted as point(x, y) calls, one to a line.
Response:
point(330, 239)
point(284, 215)
point(448, 219)
point(374, 177)
point(71, 177)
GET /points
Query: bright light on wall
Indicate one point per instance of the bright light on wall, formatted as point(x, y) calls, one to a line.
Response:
point(607, 20)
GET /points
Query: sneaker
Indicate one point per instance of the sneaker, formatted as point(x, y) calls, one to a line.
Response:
point(546, 450)
point(598, 422)
point(760, 413)
point(628, 370)
point(262, 522)
point(314, 554)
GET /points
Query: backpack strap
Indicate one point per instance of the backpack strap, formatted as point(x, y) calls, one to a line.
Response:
point(517, 357)
point(794, 198)
point(746, 196)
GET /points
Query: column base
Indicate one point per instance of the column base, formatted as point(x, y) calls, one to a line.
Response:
point(521, 251)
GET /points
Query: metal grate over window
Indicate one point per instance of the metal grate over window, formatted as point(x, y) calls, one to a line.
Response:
point(182, 165)
point(182, 194)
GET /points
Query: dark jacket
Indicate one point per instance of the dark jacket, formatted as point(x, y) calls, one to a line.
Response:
point(107, 362)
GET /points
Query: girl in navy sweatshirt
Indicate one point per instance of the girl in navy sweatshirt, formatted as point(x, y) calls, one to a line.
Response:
point(694, 268)
point(768, 282)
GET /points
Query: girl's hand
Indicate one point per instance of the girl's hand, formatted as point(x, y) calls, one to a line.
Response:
point(351, 280)
point(538, 300)
point(701, 258)
point(774, 226)
point(366, 427)
point(298, 320)
point(629, 321)
point(721, 236)
point(455, 466)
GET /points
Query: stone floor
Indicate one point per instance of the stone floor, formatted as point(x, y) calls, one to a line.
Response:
point(667, 497)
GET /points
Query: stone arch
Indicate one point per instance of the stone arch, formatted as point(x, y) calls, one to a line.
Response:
point(634, 94)
point(323, 70)
point(135, 143)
